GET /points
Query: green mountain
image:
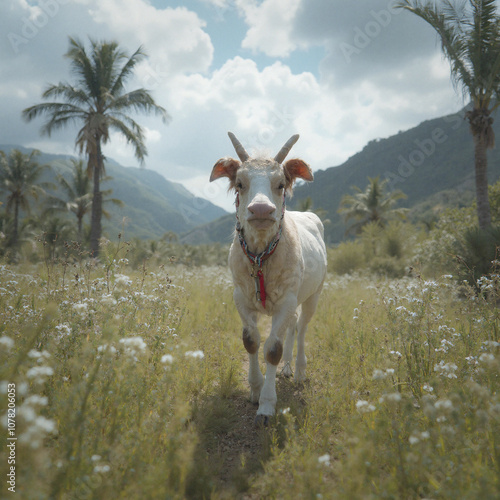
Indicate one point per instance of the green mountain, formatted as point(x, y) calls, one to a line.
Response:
point(433, 164)
point(153, 205)
point(218, 231)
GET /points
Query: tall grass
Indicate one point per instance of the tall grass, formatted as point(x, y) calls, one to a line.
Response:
point(131, 384)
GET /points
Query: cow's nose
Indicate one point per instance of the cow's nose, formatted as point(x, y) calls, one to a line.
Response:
point(260, 209)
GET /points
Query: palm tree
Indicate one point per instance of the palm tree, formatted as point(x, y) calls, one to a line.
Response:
point(470, 39)
point(99, 103)
point(306, 205)
point(78, 191)
point(19, 177)
point(371, 205)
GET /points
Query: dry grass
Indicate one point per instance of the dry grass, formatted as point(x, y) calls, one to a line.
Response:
point(132, 384)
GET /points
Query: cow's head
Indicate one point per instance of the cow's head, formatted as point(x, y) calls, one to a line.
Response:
point(261, 184)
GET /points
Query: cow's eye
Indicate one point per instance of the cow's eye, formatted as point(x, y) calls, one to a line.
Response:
point(281, 186)
point(239, 185)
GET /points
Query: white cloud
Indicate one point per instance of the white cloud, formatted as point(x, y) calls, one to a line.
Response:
point(264, 107)
point(174, 37)
point(270, 26)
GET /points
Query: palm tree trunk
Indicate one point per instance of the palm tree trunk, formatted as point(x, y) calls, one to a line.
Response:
point(95, 219)
point(15, 228)
point(481, 168)
point(80, 228)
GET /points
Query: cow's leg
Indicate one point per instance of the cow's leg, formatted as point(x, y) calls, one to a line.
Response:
point(273, 350)
point(308, 308)
point(251, 342)
point(288, 348)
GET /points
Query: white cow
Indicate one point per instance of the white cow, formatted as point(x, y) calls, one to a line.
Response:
point(278, 263)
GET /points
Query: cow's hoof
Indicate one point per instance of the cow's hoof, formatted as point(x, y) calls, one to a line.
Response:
point(262, 420)
point(287, 371)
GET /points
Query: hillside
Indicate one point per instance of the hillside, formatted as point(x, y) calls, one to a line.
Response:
point(218, 231)
point(433, 164)
point(153, 205)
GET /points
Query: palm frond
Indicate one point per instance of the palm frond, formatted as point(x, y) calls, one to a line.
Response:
point(57, 112)
point(69, 93)
point(134, 136)
point(139, 100)
point(127, 70)
point(452, 36)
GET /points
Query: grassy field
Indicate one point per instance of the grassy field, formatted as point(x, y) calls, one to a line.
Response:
point(132, 384)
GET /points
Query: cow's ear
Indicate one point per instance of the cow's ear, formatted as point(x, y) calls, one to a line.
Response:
point(297, 169)
point(225, 167)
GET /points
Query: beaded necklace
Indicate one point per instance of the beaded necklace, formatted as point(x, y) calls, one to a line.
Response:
point(257, 259)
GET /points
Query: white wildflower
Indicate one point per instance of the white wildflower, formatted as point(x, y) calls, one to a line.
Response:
point(63, 330)
point(36, 400)
point(108, 300)
point(378, 374)
point(446, 369)
point(195, 354)
point(364, 406)
point(39, 373)
point(445, 344)
point(106, 348)
point(324, 459)
point(488, 360)
point(167, 359)
point(122, 281)
point(393, 397)
point(102, 468)
point(381, 374)
point(26, 412)
point(431, 284)
point(472, 360)
point(7, 343)
point(491, 343)
point(95, 458)
point(80, 307)
point(40, 356)
point(443, 404)
point(37, 430)
point(413, 440)
point(134, 346)
point(428, 388)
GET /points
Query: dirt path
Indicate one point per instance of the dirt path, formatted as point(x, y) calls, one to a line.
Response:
point(242, 451)
point(236, 450)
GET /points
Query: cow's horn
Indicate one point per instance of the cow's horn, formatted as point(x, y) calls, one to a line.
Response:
point(240, 150)
point(286, 148)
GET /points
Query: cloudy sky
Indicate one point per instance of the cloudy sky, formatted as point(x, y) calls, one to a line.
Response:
point(338, 72)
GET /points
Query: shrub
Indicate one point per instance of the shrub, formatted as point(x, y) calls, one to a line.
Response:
point(347, 258)
point(476, 251)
